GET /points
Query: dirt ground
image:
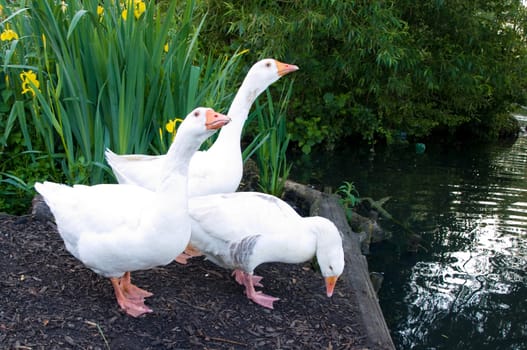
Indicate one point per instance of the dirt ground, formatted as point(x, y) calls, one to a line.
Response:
point(49, 300)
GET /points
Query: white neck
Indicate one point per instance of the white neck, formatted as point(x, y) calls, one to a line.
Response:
point(174, 173)
point(326, 233)
point(230, 134)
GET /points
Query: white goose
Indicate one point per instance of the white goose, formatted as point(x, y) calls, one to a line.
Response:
point(115, 229)
point(245, 229)
point(220, 168)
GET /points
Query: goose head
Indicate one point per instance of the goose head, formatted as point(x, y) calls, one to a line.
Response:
point(197, 126)
point(202, 122)
point(265, 72)
point(330, 254)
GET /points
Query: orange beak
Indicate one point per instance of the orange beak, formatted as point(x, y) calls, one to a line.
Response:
point(215, 120)
point(330, 284)
point(284, 68)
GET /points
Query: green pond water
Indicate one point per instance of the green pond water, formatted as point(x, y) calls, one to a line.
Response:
point(468, 289)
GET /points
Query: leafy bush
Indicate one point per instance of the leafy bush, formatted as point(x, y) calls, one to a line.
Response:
point(379, 68)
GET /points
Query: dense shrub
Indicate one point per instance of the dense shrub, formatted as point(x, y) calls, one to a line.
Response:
point(380, 68)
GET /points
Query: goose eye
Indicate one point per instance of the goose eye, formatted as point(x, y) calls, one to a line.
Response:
point(268, 64)
point(196, 114)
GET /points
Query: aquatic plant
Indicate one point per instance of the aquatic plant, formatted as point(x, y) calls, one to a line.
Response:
point(349, 197)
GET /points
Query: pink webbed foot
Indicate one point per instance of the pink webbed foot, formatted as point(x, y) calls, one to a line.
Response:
point(263, 299)
point(133, 307)
point(249, 281)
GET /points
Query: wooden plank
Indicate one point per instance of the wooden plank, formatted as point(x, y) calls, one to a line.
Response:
point(356, 272)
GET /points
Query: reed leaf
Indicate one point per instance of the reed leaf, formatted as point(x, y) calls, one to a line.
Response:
point(106, 81)
point(271, 154)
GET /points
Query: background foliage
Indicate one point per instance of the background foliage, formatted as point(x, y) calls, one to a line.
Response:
point(381, 69)
point(102, 79)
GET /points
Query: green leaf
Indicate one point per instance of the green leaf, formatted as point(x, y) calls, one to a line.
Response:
point(75, 20)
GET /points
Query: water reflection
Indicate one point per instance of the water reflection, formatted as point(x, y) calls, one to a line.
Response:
point(469, 291)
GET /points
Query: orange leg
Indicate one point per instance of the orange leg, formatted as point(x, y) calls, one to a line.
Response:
point(183, 258)
point(132, 291)
point(239, 276)
point(190, 252)
point(133, 308)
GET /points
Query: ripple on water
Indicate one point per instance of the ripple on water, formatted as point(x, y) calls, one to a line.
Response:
point(470, 284)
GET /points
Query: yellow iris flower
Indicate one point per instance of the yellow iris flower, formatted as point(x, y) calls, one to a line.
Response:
point(171, 125)
point(29, 78)
point(139, 8)
point(8, 35)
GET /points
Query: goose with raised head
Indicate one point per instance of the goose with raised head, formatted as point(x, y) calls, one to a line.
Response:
point(116, 229)
point(242, 230)
point(220, 168)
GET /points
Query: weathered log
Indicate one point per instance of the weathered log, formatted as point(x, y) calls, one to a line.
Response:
point(356, 272)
